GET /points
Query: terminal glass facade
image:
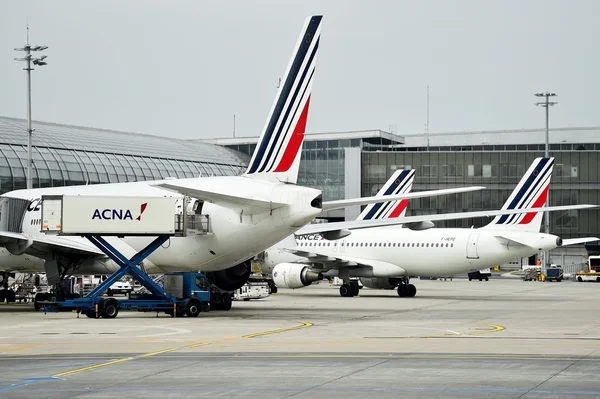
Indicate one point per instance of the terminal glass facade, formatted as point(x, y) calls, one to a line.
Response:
point(575, 180)
point(68, 155)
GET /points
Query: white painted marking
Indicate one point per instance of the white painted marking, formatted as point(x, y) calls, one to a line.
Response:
point(175, 331)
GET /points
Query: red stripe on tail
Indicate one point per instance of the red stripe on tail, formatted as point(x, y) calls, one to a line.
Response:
point(399, 209)
point(295, 142)
point(538, 204)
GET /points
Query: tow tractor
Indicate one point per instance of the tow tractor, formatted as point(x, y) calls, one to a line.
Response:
point(185, 293)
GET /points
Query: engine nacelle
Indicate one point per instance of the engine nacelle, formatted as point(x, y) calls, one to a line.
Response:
point(233, 278)
point(381, 283)
point(294, 275)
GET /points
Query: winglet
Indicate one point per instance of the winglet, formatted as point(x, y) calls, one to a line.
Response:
point(277, 154)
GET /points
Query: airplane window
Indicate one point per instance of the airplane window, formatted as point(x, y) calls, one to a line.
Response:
point(427, 245)
point(452, 245)
point(371, 244)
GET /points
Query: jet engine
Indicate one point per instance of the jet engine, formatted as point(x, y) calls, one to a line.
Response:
point(381, 283)
point(233, 278)
point(294, 275)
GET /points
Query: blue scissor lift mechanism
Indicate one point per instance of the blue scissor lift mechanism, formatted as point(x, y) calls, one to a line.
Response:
point(195, 292)
point(94, 305)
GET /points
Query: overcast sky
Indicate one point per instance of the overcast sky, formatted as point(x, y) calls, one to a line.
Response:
point(183, 68)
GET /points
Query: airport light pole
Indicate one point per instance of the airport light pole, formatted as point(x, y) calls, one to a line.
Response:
point(39, 62)
point(546, 104)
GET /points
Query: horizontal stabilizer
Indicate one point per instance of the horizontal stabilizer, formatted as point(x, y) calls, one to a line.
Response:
point(362, 224)
point(251, 205)
point(581, 240)
point(515, 240)
point(330, 205)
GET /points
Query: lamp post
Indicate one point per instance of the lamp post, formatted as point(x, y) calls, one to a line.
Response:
point(39, 62)
point(546, 104)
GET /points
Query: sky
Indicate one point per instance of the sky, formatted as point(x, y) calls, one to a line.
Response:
point(182, 69)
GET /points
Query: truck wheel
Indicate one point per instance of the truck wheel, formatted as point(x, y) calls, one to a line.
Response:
point(192, 309)
point(205, 307)
point(559, 279)
point(579, 279)
point(487, 278)
point(110, 309)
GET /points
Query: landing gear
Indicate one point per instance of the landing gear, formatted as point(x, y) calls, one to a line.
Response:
point(349, 289)
point(220, 301)
point(406, 290)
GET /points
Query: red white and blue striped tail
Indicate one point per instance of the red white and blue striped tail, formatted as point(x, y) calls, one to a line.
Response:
point(277, 154)
point(399, 183)
point(531, 193)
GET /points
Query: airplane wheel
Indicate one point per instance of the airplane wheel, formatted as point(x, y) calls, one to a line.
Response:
point(354, 289)
point(402, 291)
point(411, 290)
point(345, 290)
point(226, 302)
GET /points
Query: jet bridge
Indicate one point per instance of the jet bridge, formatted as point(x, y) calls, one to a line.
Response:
point(95, 217)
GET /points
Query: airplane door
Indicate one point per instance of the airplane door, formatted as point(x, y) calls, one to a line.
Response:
point(472, 246)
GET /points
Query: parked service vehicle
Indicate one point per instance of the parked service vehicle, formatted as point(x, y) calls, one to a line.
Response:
point(120, 287)
point(592, 272)
point(480, 275)
point(252, 291)
point(553, 273)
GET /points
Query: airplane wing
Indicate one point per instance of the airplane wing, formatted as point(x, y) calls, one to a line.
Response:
point(329, 205)
point(45, 245)
point(343, 228)
point(581, 240)
point(225, 200)
point(325, 262)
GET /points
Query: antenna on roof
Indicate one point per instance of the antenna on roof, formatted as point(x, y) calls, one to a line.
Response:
point(233, 125)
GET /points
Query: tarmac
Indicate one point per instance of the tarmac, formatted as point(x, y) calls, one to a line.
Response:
point(503, 338)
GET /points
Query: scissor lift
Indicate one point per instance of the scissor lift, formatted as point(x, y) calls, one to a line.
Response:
point(193, 289)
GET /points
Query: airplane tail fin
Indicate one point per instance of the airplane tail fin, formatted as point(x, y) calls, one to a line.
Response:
point(277, 154)
point(530, 193)
point(399, 183)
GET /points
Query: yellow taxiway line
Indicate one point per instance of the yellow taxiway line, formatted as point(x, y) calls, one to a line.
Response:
point(150, 354)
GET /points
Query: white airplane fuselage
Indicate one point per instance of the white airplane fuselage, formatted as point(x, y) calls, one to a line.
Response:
point(432, 252)
point(235, 236)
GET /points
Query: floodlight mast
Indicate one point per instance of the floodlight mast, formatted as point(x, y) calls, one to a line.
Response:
point(39, 62)
point(546, 104)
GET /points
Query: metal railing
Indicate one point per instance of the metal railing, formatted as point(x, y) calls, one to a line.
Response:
point(194, 224)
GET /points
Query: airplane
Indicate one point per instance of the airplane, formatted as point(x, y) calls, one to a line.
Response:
point(385, 257)
point(247, 213)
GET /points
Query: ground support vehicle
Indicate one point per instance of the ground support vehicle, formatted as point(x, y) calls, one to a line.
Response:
point(553, 273)
point(592, 272)
point(480, 275)
point(252, 290)
point(187, 293)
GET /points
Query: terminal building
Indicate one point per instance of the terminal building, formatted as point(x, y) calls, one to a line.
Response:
point(66, 155)
point(358, 163)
